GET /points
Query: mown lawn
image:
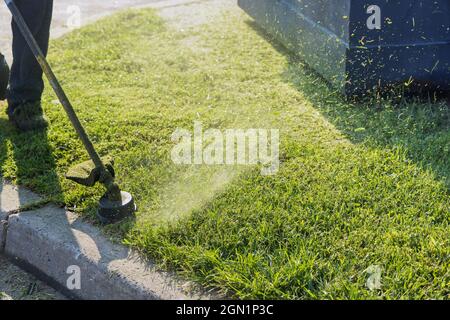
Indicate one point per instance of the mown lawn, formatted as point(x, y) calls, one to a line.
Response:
point(359, 188)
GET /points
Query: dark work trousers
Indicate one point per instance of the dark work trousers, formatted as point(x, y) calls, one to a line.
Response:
point(26, 83)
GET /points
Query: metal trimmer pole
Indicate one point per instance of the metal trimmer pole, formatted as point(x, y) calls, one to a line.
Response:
point(107, 178)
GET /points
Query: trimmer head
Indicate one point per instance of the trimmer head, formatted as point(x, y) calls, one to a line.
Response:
point(115, 204)
point(113, 211)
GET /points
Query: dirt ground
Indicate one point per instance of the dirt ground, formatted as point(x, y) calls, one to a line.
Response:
point(16, 284)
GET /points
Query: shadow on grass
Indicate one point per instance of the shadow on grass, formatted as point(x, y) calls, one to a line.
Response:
point(419, 126)
point(26, 158)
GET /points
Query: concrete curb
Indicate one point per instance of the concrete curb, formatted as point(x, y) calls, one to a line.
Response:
point(12, 198)
point(57, 246)
point(54, 244)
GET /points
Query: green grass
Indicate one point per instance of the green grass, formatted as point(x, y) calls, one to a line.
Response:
point(358, 185)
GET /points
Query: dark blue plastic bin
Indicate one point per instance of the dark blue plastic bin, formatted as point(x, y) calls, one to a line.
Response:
point(412, 45)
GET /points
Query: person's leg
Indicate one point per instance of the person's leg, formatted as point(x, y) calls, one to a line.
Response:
point(26, 84)
point(4, 77)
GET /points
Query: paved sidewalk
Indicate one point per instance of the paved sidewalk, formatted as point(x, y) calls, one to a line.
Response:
point(90, 10)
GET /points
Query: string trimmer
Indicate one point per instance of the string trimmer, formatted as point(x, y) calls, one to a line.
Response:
point(115, 204)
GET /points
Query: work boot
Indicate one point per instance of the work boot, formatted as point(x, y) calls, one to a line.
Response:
point(28, 117)
point(4, 77)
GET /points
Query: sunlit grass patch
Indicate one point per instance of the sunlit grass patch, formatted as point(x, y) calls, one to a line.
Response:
point(357, 187)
